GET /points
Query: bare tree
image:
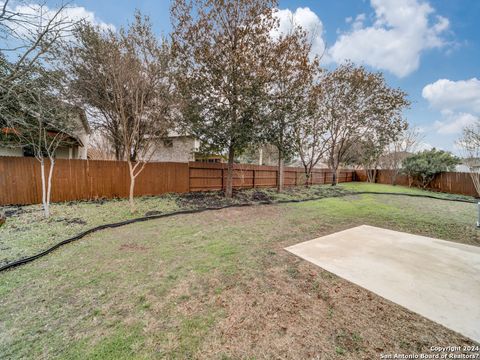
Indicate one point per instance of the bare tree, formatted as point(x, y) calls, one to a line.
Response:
point(89, 67)
point(99, 147)
point(33, 114)
point(470, 145)
point(372, 151)
point(223, 50)
point(399, 149)
point(365, 154)
point(355, 103)
point(133, 90)
point(29, 32)
point(35, 117)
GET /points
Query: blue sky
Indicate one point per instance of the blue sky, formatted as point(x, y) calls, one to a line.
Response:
point(430, 49)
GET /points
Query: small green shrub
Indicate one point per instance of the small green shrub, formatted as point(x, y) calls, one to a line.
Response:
point(425, 165)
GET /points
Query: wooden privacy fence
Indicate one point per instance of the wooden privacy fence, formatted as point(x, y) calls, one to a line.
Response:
point(20, 181)
point(213, 176)
point(449, 182)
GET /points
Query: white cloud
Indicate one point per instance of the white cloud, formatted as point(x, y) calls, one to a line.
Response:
point(40, 14)
point(401, 30)
point(358, 23)
point(79, 12)
point(448, 95)
point(454, 123)
point(308, 21)
point(457, 101)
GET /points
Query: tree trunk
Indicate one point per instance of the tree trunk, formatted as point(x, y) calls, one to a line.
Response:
point(281, 173)
point(305, 167)
point(44, 192)
point(118, 150)
point(475, 175)
point(229, 185)
point(132, 187)
point(394, 177)
point(335, 176)
point(371, 175)
point(49, 187)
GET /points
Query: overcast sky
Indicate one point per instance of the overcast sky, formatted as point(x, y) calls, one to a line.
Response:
point(431, 49)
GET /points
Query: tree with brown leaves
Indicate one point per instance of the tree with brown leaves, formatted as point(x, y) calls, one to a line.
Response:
point(310, 132)
point(355, 104)
point(404, 145)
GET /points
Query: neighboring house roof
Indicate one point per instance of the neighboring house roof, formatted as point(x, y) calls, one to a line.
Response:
point(68, 137)
point(83, 119)
point(74, 136)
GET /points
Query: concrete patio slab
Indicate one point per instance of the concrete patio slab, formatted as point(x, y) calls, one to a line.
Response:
point(437, 279)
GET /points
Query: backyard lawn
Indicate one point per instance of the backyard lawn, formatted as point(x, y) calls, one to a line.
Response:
point(217, 284)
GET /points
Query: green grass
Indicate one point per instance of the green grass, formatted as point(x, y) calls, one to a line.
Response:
point(123, 344)
point(166, 288)
point(27, 232)
point(398, 189)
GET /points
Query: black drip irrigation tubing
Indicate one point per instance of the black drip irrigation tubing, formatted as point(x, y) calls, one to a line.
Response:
point(194, 211)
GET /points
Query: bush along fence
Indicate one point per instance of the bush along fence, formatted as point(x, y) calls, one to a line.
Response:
point(20, 181)
point(448, 182)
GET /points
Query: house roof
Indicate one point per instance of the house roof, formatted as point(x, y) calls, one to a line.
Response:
point(72, 138)
point(83, 119)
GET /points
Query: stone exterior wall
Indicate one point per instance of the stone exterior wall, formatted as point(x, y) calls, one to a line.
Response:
point(175, 149)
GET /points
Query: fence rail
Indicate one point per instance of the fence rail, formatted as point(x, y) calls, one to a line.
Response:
point(20, 181)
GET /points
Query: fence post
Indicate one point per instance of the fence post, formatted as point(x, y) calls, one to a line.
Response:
point(189, 177)
point(254, 175)
point(222, 177)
